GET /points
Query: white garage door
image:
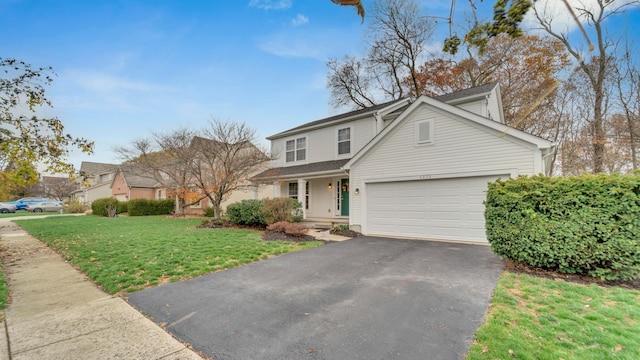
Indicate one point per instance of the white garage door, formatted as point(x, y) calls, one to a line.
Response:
point(447, 209)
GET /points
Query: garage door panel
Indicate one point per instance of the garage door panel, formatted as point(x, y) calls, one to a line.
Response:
point(450, 209)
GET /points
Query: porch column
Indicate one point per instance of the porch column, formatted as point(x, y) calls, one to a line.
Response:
point(302, 185)
point(276, 189)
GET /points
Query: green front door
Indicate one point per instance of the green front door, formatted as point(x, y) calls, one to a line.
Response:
point(344, 197)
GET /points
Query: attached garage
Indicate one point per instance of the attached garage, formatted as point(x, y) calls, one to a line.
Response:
point(447, 209)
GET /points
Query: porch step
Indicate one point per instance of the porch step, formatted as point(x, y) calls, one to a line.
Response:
point(323, 226)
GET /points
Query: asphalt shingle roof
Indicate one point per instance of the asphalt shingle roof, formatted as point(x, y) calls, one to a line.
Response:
point(285, 171)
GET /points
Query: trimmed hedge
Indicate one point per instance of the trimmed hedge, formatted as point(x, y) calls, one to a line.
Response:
point(103, 207)
point(588, 224)
point(246, 212)
point(144, 207)
point(123, 207)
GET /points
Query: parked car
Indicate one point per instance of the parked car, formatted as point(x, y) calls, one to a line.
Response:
point(7, 208)
point(21, 204)
point(44, 206)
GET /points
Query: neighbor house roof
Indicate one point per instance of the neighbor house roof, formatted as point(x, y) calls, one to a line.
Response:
point(317, 168)
point(137, 178)
point(92, 168)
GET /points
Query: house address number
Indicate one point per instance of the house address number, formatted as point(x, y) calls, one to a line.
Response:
point(425, 177)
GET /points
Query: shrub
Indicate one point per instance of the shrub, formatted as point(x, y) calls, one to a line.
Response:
point(341, 227)
point(210, 212)
point(123, 207)
point(282, 209)
point(588, 224)
point(143, 207)
point(293, 229)
point(104, 207)
point(76, 208)
point(246, 212)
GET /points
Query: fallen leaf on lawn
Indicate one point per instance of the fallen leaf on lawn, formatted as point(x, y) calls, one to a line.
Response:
point(511, 353)
point(619, 347)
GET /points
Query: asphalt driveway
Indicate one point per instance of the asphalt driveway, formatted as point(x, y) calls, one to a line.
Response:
point(365, 298)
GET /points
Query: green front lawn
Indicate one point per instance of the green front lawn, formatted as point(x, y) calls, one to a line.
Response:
point(26, 213)
point(126, 254)
point(537, 318)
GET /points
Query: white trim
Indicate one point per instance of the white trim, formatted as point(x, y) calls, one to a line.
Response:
point(537, 162)
point(513, 173)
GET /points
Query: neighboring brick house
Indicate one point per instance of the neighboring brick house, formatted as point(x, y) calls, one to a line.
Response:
point(129, 184)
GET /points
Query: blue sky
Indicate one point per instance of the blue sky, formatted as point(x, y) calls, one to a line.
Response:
point(129, 67)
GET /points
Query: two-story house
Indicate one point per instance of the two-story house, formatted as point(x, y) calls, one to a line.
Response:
point(407, 168)
point(94, 182)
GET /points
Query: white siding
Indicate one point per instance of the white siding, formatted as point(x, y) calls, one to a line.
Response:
point(476, 107)
point(493, 109)
point(460, 146)
point(322, 144)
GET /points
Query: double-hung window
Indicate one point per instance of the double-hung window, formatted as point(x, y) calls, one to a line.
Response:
point(296, 149)
point(344, 141)
point(293, 190)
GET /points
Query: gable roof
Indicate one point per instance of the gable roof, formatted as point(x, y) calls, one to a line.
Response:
point(540, 143)
point(91, 168)
point(137, 178)
point(392, 108)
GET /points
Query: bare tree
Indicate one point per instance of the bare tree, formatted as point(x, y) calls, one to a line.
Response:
point(396, 42)
point(59, 188)
point(595, 71)
point(628, 86)
point(167, 158)
point(225, 159)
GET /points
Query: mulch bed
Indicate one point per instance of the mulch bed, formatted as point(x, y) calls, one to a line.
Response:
point(266, 234)
point(346, 233)
point(522, 268)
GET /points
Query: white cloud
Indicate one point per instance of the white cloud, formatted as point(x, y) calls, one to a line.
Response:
point(299, 20)
point(101, 82)
point(270, 4)
point(288, 47)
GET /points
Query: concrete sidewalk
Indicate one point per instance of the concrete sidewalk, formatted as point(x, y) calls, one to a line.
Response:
point(55, 312)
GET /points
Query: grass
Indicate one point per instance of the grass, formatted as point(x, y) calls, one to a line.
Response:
point(3, 292)
point(127, 254)
point(27, 213)
point(538, 318)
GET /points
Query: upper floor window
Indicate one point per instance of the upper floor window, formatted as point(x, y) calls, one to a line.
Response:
point(344, 141)
point(424, 132)
point(296, 149)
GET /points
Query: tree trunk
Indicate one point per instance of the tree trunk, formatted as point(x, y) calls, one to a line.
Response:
point(599, 138)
